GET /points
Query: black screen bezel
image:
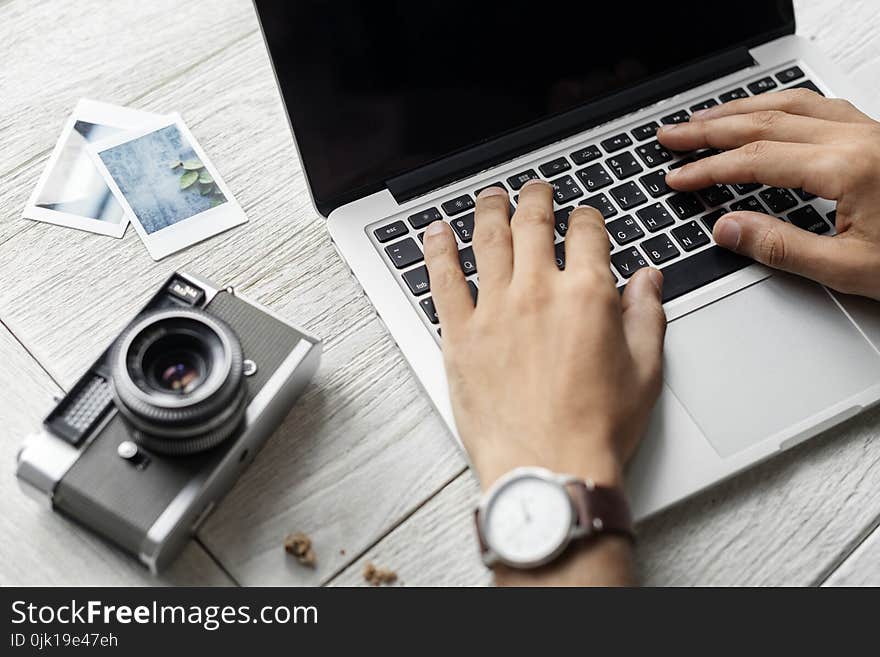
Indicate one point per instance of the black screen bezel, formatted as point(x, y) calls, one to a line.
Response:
point(521, 135)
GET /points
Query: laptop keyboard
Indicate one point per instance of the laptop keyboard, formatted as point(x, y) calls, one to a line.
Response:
point(622, 176)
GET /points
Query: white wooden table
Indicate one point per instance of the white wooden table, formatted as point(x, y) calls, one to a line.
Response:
point(362, 463)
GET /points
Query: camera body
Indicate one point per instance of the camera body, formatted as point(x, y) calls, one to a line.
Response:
point(160, 426)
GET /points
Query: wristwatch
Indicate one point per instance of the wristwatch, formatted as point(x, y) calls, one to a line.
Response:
point(530, 516)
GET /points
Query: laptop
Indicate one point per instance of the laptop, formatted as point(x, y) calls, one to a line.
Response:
point(402, 112)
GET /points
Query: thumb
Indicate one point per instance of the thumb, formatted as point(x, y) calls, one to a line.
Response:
point(781, 245)
point(644, 323)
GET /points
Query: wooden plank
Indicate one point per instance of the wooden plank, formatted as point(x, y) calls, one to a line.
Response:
point(437, 546)
point(41, 547)
point(57, 52)
point(784, 522)
point(364, 448)
point(862, 567)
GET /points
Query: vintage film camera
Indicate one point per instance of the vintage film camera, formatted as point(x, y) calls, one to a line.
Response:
point(160, 426)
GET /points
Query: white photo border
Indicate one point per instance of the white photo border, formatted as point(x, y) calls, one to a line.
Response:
point(185, 232)
point(91, 111)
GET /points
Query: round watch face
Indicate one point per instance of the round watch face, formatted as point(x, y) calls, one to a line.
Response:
point(528, 520)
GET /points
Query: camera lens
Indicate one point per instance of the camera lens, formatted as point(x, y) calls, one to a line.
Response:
point(177, 379)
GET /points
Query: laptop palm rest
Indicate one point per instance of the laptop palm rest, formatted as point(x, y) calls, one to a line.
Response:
point(764, 359)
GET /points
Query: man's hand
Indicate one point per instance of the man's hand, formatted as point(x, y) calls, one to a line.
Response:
point(794, 139)
point(551, 368)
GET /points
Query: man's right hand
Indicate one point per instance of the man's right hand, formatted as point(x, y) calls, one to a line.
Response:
point(793, 139)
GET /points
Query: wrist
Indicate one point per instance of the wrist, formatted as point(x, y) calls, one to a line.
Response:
point(592, 457)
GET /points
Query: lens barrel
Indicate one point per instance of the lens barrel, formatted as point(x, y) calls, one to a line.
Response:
point(178, 381)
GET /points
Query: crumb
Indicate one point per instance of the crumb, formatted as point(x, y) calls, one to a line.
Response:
point(377, 576)
point(300, 546)
point(342, 552)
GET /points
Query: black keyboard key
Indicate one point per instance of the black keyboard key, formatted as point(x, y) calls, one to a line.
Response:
point(628, 195)
point(832, 217)
point(464, 227)
point(655, 183)
point(762, 86)
point(423, 218)
point(565, 189)
point(646, 131)
point(733, 94)
point(472, 288)
point(404, 253)
point(389, 232)
point(777, 199)
point(602, 204)
point(417, 280)
point(594, 177)
point(700, 269)
point(716, 195)
point(681, 116)
point(690, 236)
point(706, 104)
point(790, 75)
point(746, 188)
point(748, 204)
point(628, 262)
point(560, 218)
point(660, 249)
point(587, 154)
point(685, 160)
point(653, 154)
point(624, 165)
point(807, 84)
point(712, 218)
point(808, 219)
point(468, 261)
point(615, 143)
point(559, 252)
point(685, 205)
point(494, 184)
point(804, 196)
point(458, 205)
point(655, 217)
point(521, 179)
point(428, 306)
point(553, 167)
point(624, 230)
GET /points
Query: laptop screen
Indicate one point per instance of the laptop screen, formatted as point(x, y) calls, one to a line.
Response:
point(376, 89)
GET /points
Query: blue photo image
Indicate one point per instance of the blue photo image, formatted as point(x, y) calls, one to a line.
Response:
point(162, 178)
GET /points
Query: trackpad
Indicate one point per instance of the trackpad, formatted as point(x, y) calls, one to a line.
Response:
point(754, 363)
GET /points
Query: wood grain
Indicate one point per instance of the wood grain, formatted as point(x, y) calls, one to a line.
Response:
point(41, 547)
point(358, 461)
point(862, 567)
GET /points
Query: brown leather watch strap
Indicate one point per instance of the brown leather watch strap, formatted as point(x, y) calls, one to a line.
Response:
point(601, 510)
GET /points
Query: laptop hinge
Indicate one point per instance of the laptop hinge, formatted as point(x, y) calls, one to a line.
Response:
point(478, 158)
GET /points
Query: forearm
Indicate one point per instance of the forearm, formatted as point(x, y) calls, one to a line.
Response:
point(604, 561)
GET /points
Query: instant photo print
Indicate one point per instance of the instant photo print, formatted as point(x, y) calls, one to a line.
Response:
point(71, 191)
point(164, 180)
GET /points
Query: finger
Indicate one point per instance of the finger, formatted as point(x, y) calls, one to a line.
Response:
point(834, 261)
point(586, 243)
point(644, 323)
point(449, 289)
point(493, 245)
point(794, 101)
point(816, 169)
point(532, 229)
point(730, 132)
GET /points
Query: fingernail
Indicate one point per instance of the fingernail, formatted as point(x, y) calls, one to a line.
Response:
point(727, 233)
point(492, 191)
point(656, 277)
point(673, 173)
point(435, 228)
point(663, 129)
point(535, 181)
